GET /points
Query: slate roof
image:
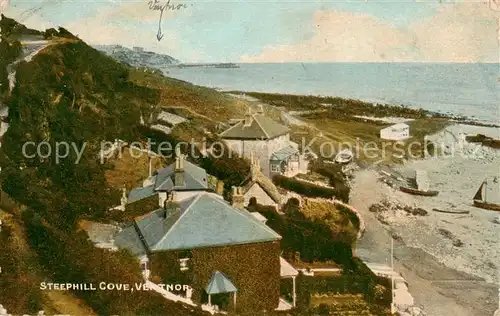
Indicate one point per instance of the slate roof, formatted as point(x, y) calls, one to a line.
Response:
point(205, 220)
point(140, 193)
point(170, 118)
point(220, 283)
point(261, 127)
point(195, 178)
point(284, 153)
point(99, 232)
point(264, 182)
point(261, 218)
point(129, 239)
point(162, 128)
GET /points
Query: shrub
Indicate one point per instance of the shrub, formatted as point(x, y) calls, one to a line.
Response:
point(72, 257)
point(336, 178)
point(19, 286)
point(304, 188)
point(313, 239)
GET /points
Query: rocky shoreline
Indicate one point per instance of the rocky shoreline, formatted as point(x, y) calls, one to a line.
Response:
point(449, 260)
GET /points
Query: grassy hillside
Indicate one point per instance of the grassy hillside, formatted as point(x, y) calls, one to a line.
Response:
point(71, 93)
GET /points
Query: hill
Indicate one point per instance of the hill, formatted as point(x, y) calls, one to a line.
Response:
point(137, 57)
point(70, 93)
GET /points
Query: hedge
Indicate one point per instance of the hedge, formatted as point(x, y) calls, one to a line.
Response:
point(336, 178)
point(313, 239)
point(304, 188)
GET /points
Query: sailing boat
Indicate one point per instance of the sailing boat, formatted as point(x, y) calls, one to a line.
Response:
point(421, 187)
point(480, 200)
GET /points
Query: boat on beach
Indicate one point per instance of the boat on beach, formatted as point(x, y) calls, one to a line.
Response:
point(449, 211)
point(344, 156)
point(480, 198)
point(419, 185)
point(418, 192)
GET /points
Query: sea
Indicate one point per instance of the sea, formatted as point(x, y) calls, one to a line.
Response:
point(462, 89)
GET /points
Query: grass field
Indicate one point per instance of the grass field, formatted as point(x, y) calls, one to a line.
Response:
point(131, 169)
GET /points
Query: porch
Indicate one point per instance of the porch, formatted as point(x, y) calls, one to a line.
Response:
point(287, 271)
point(220, 293)
point(286, 161)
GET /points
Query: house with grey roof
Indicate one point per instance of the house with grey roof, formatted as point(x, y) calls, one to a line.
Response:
point(163, 122)
point(269, 141)
point(229, 257)
point(182, 177)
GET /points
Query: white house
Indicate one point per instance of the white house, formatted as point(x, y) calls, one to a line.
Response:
point(269, 142)
point(400, 131)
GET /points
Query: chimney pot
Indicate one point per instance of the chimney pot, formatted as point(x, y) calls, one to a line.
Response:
point(238, 200)
point(220, 187)
point(248, 118)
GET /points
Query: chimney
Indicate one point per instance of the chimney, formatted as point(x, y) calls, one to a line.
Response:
point(220, 187)
point(171, 206)
point(248, 118)
point(179, 171)
point(150, 166)
point(124, 199)
point(238, 200)
point(254, 169)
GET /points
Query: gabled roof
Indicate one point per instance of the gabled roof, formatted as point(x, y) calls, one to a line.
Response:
point(284, 153)
point(286, 269)
point(99, 232)
point(261, 127)
point(398, 125)
point(129, 239)
point(264, 182)
point(170, 118)
point(205, 220)
point(162, 128)
point(195, 178)
point(220, 283)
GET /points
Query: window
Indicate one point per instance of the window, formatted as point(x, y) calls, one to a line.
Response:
point(144, 266)
point(184, 257)
point(275, 168)
point(183, 263)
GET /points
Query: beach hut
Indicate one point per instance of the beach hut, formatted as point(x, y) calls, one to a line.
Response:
point(398, 131)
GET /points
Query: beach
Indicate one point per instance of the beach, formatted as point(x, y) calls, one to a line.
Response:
point(451, 261)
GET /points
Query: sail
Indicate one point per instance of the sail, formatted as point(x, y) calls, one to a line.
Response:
point(422, 180)
point(479, 193)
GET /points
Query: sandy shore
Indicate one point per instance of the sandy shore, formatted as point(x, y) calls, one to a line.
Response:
point(445, 279)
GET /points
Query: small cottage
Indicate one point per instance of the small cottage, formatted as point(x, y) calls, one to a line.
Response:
point(227, 256)
point(400, 131)
point(259, 187)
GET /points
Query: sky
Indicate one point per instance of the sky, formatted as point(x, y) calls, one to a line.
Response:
point(281, 31)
